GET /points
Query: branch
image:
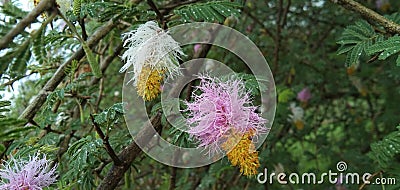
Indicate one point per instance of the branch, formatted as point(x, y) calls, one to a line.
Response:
point(278, 37)
point(101, 90)
point(369, 14)
point(12, 81)
point(82, 24)
point(31, 17)
point(369, 179)
point(106, 144)
point(59, 75)
point(106, 62)
point(128, 154)
point(269, 33)
point(172, 183)
point(158, 13)
point(285, 13)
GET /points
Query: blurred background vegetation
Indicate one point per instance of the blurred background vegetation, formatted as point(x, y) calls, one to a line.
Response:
point(352, 114)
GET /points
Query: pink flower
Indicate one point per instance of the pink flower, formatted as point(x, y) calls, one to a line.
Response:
point(304, 95)
point(196, 48)
point(221, 108)
point(33, 174)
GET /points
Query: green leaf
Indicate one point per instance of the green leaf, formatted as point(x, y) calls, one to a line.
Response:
point(22, 56)
point(395, 17)
point(38, 45)
point(92, 61)
point(110, 115)
point(354, 54)
point(210, 11)
point(11, 131)
point(285, 95)
point(61, 93)
point(251, 84)
point(385, 150)
point(11, 10)
point(386, 48)
point(355, 40)
point(344, 48)
point(12, 128)
point(384, 45)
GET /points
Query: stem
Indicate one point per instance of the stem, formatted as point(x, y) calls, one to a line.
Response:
point(30, 18)
point(72, 27)
point(106, 144)
point(369, 14)
point(172, 183)
point(158, 13)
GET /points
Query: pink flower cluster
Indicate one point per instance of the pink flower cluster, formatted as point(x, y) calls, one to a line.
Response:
point(304, 95)
point(221, 108)
point(33, 174)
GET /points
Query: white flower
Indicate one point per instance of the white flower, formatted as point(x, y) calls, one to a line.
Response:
point(151, 46)
point(297, 113)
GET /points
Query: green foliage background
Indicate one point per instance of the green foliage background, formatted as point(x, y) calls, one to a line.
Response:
point(350, 64)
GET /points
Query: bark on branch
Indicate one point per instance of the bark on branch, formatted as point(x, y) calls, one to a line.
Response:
point(106, 143)
point(31, 17)
point(369, 14)
point(59, 75)
point(129, 153)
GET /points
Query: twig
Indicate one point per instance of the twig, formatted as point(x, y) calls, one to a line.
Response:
point(280, 23)
point(101, 89)
point(369, 14)
point(278, 36)
point(158, 13)
point(130, 153)
point(11, 82)
point(106, 144)
point(63, 148)
point(73, 95)
point(106, 62)
point(82, 24)
point(59, 75)
point(172, 184)
point(7, 145)
point(143, 175)
point(31, 17)
point(100, 168)
point(320, 40)
point(285, 12)
point(369, 179)
point(269, 33)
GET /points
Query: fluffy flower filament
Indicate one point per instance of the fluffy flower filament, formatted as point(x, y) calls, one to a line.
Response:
point(34, 174)
point(222, 117)
point(152, 52)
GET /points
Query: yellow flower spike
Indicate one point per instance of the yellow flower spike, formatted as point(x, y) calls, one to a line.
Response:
point(244, 154)
point(149, 83)
point(299, 124)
